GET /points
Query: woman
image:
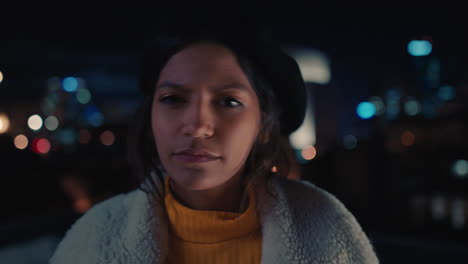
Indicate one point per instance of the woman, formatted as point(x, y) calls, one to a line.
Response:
point(213, 163)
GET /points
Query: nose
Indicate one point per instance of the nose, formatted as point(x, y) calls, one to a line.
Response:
point(199, 121)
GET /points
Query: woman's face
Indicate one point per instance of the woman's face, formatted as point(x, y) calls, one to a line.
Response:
point(205, 116)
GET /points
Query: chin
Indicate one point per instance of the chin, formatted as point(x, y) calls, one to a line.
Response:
point(196, 180)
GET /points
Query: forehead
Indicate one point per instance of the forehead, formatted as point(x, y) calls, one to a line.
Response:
point(203, 63)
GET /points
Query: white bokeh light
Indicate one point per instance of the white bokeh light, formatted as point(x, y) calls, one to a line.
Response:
point(4, 123)
point(35, 122)
point(313, 64)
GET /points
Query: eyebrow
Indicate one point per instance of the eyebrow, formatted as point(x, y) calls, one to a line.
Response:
point(169, 84)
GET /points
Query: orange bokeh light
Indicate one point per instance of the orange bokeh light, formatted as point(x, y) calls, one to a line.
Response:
point(309, 153)
point(107, 138)
point(407, 138)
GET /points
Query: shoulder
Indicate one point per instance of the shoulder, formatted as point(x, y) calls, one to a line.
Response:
point(320, 216)
point(306, 195)
point(103, 222)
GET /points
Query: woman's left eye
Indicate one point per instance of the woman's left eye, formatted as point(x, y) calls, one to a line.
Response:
point(231, 102)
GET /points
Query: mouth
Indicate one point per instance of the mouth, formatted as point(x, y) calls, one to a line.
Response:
point(195, 155)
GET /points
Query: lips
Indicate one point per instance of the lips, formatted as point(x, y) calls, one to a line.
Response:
point(195, 155)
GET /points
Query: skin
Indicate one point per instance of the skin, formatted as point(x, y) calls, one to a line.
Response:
point(204, 100)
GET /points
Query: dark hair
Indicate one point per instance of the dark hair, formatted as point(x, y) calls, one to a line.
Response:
point(271, 148)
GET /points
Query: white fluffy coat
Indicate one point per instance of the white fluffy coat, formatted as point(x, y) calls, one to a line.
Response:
point(305, 224)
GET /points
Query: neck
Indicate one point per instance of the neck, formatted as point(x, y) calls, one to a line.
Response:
point(227, 197)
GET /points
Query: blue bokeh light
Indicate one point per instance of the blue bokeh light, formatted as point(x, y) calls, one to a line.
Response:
point(419, 48)
point(446, 93)
point(366, 110)
point(94, 116)
point(70, 84)
point(66, 136)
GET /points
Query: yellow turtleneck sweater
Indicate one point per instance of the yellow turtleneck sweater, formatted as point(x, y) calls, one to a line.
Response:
point(210, 237)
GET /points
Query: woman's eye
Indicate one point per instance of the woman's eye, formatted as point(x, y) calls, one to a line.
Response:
point(171, 99)
point(231, 102)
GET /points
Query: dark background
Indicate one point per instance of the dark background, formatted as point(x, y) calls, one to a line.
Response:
point(395, 191)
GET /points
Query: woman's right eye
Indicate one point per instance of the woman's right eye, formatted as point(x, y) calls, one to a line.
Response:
point(171, 99)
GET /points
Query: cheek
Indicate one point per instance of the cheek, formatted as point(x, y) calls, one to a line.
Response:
point(240, 135)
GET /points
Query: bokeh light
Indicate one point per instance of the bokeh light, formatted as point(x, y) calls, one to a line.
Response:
point(419, 48)
point(66, 136)
point(392, 99)
point(84, 136)
point(412, 107)
point(457, 213)
point(35, 122)
point(365, 110)
point(21, 141)
point(460, 169)
point(53, 84)
point(94, 116)
point(1, 76)
point(70, 84)
point(83, 96)
point(309, 153)
point(51, 123)
point(305, 135)
point(407, 138)
point(40, 145)
point(274, 169)
point(313, 64)
point(446, 93)
point(107, 138)
point(4, 123)
point(438, 207)
point(349, 142)
point(378, 103)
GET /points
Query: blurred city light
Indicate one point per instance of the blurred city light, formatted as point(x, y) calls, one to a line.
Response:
point(1, 76)
point(309, 153)
point(94, 117)
point(305, 135)
point(392, 98)
point(446, 93)
point(53, 83)
point(274, 169)
point(21, 141)
point(407, 138)
point(460, 168)
point(433, 72)
point(35, 122)
point(438, 207)
point(77, 192)
point(83, 96)
point(70, 84)
point(66, 136)
point(419, 48)
point(51, 123)
point(412, 107)
point(349, 142)
point(365, 110)
point(40, 145)
point(313, 64)
point(458, 213)
point(4, 123)
point(379, 105)
point(429, 108)
point(84, 136)
point(107, 138)
point(48, 105)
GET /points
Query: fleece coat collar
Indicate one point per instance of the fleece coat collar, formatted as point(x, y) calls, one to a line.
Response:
point(303, 224)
